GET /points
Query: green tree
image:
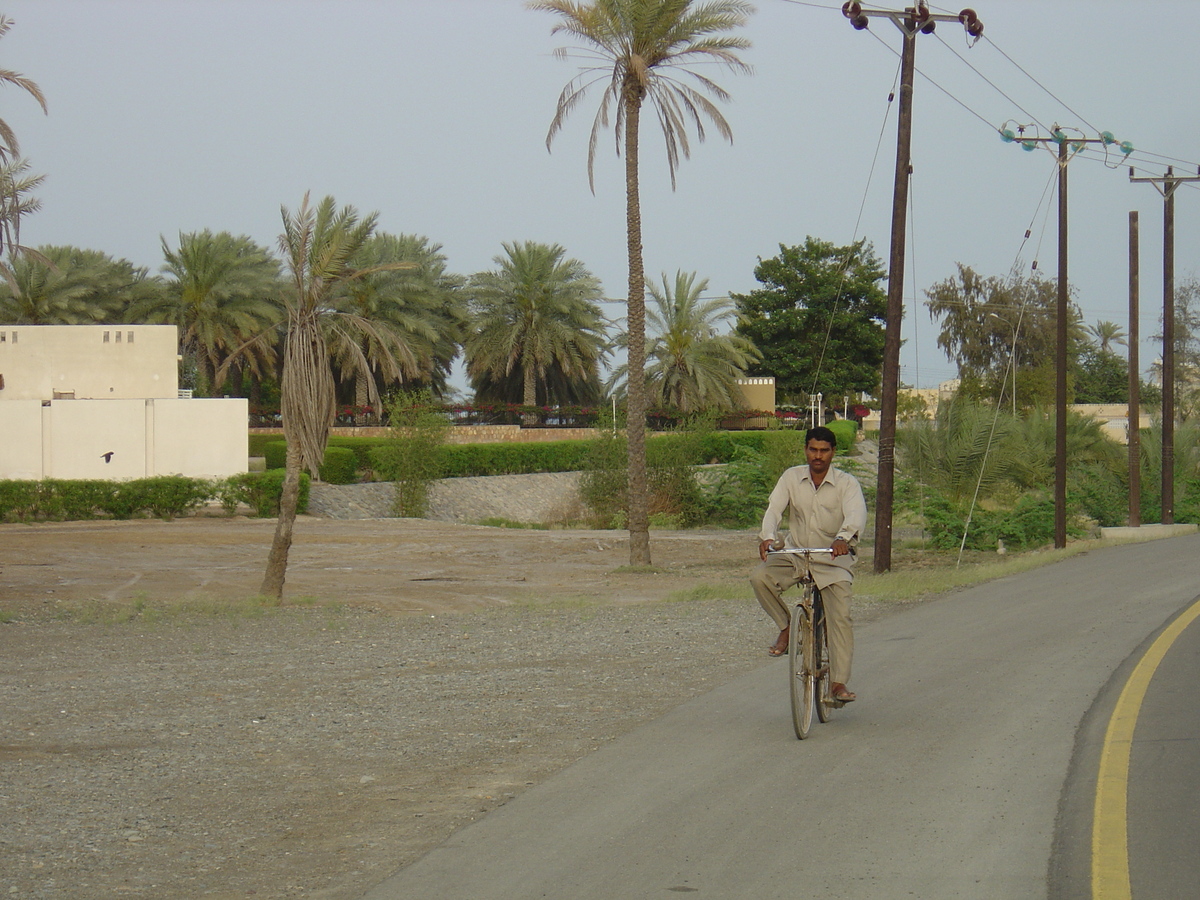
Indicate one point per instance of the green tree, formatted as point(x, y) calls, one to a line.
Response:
point(1101, 377)
point(16, 202)
point(9, 146)
point(317, 244)
point(693, 366)
point(71, 286)
point(818, 319)
point(537, 312)
point(1187, 349)
point(223, 294)
point(402, 320)
point(643, 48)
point(988, 323)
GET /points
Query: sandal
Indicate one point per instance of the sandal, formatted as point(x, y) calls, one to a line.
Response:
point(780, 647)
point(838, 692)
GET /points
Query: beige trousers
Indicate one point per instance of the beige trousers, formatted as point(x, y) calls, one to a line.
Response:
point(771, 578)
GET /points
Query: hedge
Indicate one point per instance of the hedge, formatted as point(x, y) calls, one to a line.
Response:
point(166, 496)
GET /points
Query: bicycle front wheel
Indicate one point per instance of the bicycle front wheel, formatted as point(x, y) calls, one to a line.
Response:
point(800, 671)
point(825, 705)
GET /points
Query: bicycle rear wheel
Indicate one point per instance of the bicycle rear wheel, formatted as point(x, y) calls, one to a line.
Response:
point(800, 671)
point(825, 704)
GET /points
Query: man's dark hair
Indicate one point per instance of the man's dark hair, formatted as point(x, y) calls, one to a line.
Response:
point(820, 433)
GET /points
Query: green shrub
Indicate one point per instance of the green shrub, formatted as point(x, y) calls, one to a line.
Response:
point(414, 455)
point(340, 466)
point(71, 500)
point(19, 500)
point(738, 497)
point(846, 432)
point(262, 491)
point(275, 453)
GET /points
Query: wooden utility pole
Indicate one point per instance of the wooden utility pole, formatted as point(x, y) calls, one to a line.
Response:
point(911, 22)
point(1166, 186)
point(1067, 148)
point(1134, 414)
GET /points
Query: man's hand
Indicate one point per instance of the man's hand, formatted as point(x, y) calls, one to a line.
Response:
point(839, 547)
point(764, 546)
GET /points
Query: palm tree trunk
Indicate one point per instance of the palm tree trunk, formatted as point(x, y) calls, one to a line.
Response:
point(529, 392)
point(272, 585)
point(639, 521)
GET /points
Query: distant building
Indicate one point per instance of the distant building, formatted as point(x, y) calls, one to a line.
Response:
point(103, 401)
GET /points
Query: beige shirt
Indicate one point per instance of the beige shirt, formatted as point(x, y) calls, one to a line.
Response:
point(817, 516)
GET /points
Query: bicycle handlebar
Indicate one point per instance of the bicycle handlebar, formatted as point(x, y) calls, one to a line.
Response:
point(802, 550)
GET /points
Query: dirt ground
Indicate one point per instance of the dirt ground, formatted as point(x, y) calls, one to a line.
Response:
point(162, 735)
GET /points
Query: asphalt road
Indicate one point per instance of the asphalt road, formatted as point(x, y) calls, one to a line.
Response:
point(966, 769)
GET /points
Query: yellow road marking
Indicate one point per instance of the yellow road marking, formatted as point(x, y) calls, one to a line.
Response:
point(1110, 839)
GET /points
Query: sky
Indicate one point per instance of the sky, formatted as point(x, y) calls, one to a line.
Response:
point(170, 116)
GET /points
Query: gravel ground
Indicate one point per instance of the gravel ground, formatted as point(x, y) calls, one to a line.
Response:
point(163, 736)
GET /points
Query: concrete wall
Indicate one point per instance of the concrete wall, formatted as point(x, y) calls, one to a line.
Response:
point(89, 362)
point(122, 439)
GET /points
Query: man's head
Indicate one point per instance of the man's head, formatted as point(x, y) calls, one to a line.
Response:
point(819, 446)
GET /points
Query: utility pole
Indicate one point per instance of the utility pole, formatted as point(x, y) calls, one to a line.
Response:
point(910, 21)
point(1134, 414)
point(1166, 186)
point(1067, 148)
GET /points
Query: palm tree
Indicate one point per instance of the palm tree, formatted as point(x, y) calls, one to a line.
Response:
point(1107, 334)
point(72, 286)
point(9, 147)
point(692, 365)
point(318, 245)
point(537, 313)
point(641, 45)
point(403, 320)
point(15, 203)
point(223, 294)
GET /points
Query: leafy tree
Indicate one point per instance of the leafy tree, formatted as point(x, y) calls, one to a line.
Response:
point(1187, 349)
point(537, 312)
point(71, 286)
point(984, 318)
point(402, 319)
point(1101, 377)
point(317, 244)
point(643, 47)
point(693, 366)
point(9, 146)
point(818, 319)
point(16, 203)
point(222, 293)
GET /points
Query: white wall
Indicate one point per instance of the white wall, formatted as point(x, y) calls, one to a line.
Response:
point(92, 362)
point(71, 438)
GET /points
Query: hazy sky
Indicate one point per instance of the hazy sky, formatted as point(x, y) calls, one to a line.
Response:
point(179, 115)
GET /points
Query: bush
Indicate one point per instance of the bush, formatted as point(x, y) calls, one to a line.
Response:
point(414, 455)
point(846, 432)
point(340, 466)
point(19, 500)
point(262, 491)
point(738, 498)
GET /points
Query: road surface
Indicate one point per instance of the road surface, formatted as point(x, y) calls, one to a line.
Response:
point(967, 768)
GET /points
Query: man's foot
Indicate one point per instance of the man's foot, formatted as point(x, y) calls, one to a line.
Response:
point(838, 692)
point(780, 647)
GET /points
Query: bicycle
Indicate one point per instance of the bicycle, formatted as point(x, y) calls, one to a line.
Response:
point(808, 651)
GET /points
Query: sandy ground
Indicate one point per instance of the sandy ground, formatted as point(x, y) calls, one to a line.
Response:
point(163, 736)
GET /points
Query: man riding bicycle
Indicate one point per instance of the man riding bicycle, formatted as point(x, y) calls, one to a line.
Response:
point(825, 508)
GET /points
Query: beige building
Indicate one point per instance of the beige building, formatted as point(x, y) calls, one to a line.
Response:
point(102, 401)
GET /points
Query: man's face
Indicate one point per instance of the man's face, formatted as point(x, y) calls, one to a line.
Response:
point(819, 455)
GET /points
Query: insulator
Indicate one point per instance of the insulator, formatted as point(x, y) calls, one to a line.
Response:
point(859, 22)
point(975, 29)
point(1029, 146)
point(891, 96)
point(968, 16)
point(928, 27)
point(1034, 266)
point(851, 9)
point(1107, 137)
point(1028, 232)
point(1007, 135)
point(1126, 147)
point(1076, 147)
point(1058, 136)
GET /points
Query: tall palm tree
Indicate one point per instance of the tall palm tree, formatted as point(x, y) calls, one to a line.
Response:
point(9, 146)
point(72, 286)
point(15, 203)
point(641, 45)
point(222, 292)
point(318, 244)
point(403, 321)
point(692, 365)
point(537, 313)
point(1107, 334)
